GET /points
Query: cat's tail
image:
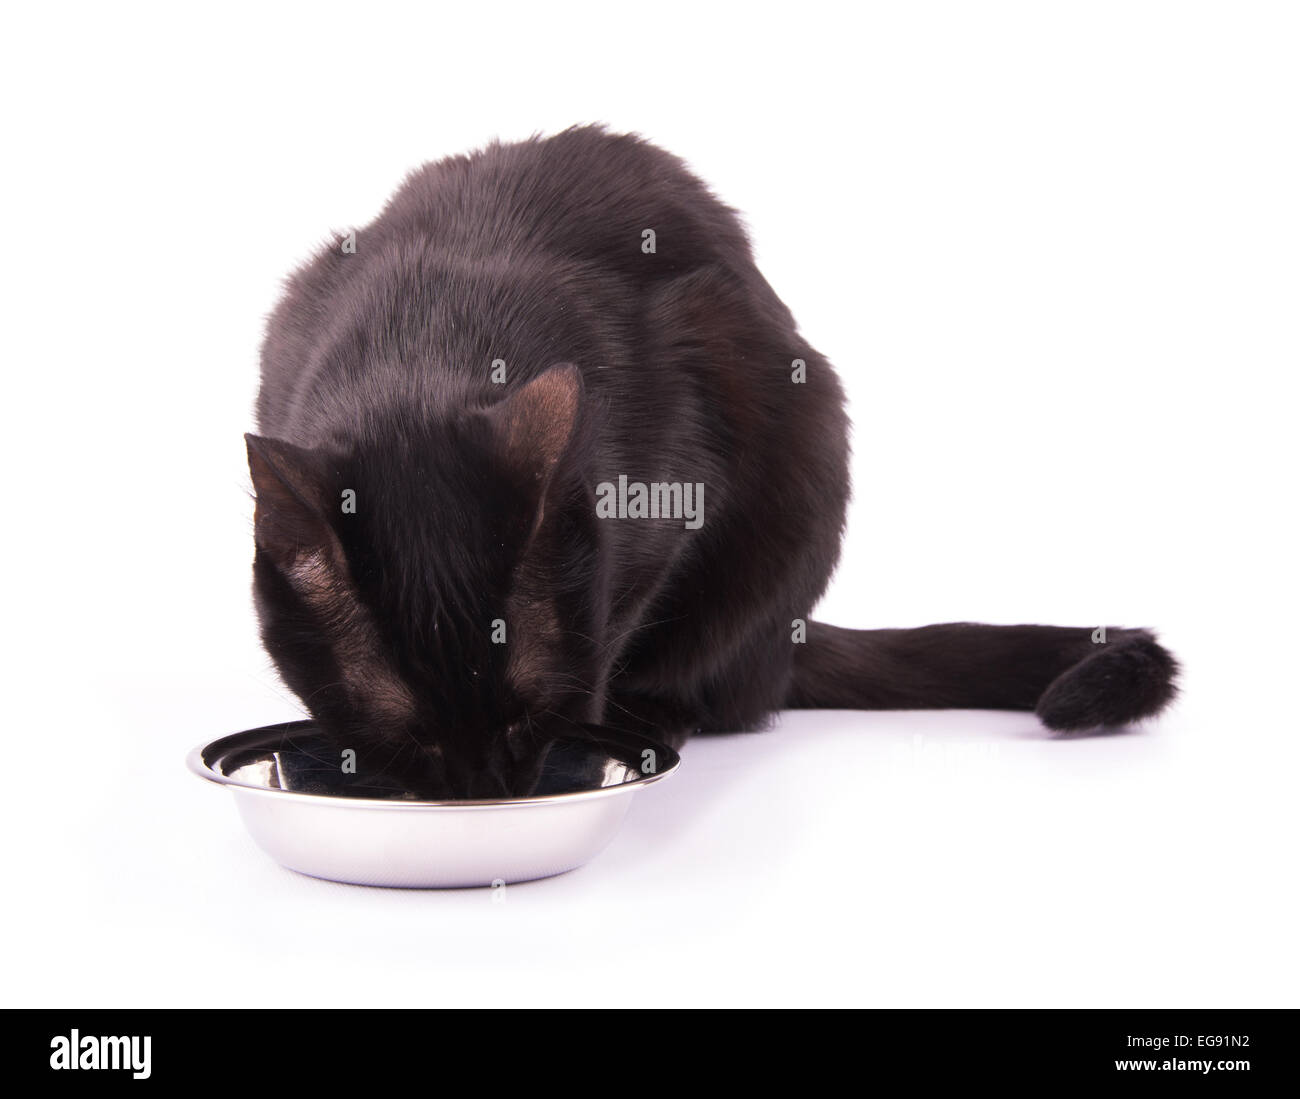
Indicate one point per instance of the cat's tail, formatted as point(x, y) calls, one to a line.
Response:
point(1071, 678)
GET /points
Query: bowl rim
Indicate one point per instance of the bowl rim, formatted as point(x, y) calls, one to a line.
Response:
point(198, 761)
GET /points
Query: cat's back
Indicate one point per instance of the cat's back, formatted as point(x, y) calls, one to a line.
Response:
point(586, 208)
point(585, 195)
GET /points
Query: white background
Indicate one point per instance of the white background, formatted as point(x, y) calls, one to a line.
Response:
point(1052, 249)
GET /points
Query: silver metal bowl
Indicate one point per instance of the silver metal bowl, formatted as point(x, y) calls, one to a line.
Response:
point(308, 814)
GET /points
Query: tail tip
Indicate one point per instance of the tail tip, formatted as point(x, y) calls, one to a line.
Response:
point(1128, 679)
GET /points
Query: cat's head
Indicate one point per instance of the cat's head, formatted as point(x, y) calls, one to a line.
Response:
point(428, 593)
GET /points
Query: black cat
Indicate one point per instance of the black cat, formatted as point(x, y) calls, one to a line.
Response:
point(469, 411)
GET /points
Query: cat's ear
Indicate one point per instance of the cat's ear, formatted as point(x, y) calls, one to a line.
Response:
point(536, 425)
point(290, 528)
point(289, 524)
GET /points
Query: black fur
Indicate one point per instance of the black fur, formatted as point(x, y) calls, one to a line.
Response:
point(475, 501)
